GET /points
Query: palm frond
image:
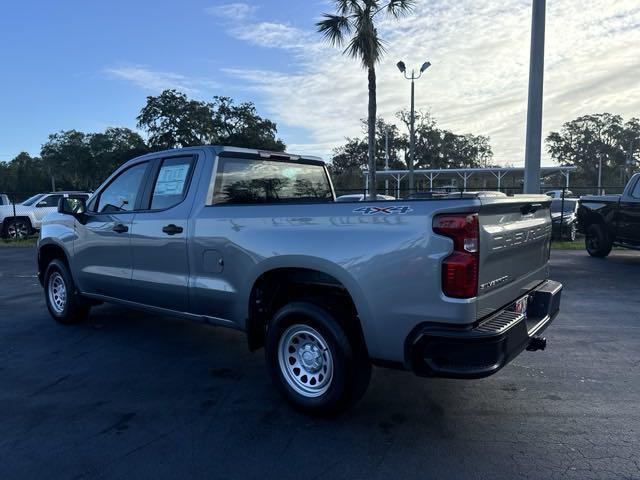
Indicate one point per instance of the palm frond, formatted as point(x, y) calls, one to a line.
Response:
point(334, 28)
point(366, 46)
point(347, 7)
point(399, 8)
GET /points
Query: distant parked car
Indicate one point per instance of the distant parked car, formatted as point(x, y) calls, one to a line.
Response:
point(359, 197)
point(479, 194)
point(4, 199)
point(26, 217)
point(564, 220)
point(558, 193)
point(433, 193)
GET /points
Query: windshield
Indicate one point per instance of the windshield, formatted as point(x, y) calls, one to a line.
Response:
point(569, 206)
point(30, 201)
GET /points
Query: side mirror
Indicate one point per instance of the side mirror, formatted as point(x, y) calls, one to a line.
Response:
point(72, 206)
point(41, 204)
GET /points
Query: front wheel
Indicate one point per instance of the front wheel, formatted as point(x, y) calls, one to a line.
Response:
point(597, 241)
point(64, 304)
point(319, 366)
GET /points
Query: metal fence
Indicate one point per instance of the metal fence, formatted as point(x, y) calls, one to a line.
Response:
point(438, 191)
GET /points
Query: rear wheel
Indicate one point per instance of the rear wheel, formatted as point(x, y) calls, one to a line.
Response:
point(18, 228)
point(597, 241)
point(318, 365)
point(64, 304)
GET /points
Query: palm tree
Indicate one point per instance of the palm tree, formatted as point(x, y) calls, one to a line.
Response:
point(354, 25)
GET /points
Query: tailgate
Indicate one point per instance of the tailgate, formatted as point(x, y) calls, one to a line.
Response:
point(515, 238)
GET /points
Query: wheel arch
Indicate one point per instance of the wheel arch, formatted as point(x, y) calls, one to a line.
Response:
point(49, 250)
point(587, 216)
point(9, 219)
point(278, 282)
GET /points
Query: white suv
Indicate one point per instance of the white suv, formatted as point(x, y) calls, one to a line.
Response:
point(24, 218)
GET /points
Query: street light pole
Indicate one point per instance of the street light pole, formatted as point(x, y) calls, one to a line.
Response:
point(412, 133)
point(534, 108)
point(386, 159)
point(599, 173)
point(412, 141)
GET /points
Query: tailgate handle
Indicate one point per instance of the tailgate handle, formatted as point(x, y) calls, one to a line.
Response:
point(530, 208)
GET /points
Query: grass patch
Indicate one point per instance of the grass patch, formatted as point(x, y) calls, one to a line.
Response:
point(567, 245)
point(27, 242)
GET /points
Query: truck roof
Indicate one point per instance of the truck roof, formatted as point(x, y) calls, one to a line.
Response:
point(228, 151)
point(67, 192)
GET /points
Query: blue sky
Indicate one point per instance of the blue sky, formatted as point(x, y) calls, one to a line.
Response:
point(59, 59)
point(89, 65)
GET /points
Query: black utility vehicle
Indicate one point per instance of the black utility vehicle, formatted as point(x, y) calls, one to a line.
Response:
point(609, 220)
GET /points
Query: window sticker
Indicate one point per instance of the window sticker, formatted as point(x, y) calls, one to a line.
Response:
point(171, 180)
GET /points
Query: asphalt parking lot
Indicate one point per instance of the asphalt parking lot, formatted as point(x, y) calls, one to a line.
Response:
point(132, 395)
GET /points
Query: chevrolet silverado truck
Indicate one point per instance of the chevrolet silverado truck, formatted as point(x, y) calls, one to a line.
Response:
point(611, 220)
point(450, 287)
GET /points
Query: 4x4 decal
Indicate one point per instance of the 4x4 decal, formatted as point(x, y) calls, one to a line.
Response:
point(391, 210)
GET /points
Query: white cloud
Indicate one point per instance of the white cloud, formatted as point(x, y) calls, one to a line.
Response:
point(272, 35)
point(156, 81)
point(232, 11)
point(478, 81)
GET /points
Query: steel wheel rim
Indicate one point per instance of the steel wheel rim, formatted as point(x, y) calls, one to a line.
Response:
point(57, 291)
point(18, 230)
point(305, 360)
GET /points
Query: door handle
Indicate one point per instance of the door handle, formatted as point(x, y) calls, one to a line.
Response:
point(172, 229)
point(120, 228)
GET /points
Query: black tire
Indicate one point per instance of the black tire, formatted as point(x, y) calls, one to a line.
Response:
point(350, 366)
point(17, 228)
point(73, 309)
point(597, 241)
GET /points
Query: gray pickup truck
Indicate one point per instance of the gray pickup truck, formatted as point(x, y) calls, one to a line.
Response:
point(450, 287)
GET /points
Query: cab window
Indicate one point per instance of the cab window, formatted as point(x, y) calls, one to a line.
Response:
point(122, 193)
point(172, 182)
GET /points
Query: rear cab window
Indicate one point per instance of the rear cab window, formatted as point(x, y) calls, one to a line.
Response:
point(242, 181)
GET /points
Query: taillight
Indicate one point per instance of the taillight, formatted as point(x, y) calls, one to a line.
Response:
point(460, 269)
